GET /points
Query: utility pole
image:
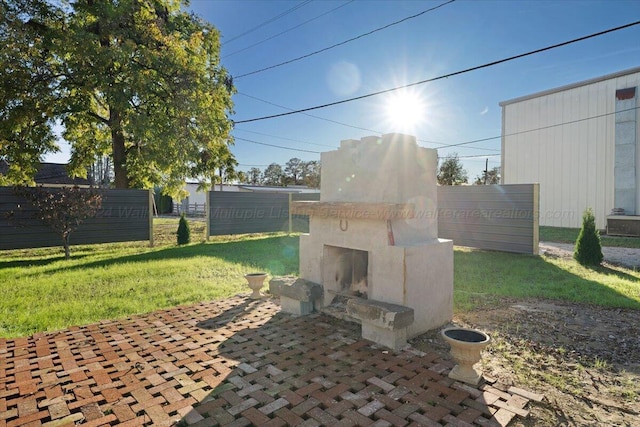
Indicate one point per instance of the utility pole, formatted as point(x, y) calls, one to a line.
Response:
point(486, 170)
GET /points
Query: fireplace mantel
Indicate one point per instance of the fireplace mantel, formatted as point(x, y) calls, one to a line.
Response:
point(348, 210)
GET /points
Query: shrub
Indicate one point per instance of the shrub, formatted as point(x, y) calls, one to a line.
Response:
point(184, 233)
point(63, 209)
point(588, 249)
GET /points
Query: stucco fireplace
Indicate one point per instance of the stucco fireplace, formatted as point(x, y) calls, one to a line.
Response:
point(373, 235)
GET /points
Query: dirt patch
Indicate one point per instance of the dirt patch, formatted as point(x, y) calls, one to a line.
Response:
point(585, 360)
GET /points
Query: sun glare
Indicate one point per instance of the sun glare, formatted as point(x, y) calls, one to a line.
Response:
point(404, 110)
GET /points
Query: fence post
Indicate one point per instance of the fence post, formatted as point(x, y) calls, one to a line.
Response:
point(151, 201)
point(290, 216)
point(207, 203)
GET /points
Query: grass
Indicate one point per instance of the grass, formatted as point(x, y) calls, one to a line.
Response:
point(482, 277)
point(570, 235)
point(43, 292)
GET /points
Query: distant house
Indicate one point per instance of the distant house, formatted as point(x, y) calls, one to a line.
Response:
point(50, 175)
point(581, 143)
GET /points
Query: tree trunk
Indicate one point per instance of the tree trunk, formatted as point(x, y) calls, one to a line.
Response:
point(65, 243)
point(121, 178)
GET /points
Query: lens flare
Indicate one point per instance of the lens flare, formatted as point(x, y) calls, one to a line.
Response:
point(404, 110)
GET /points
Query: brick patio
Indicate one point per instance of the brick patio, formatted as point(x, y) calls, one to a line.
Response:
point(235, 362)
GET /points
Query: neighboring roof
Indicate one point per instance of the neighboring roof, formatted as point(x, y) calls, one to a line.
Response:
point(571, 86)
point(50, 173)
point(291, 189)
point(263, 188)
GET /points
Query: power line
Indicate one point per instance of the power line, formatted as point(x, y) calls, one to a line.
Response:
point(286, 139)
point(268, 21)
point(477, 155)
point(276, 146)
point(467, 70)
point(286, 31)
point(343, 42)
point(351, 126)
point(475, 140)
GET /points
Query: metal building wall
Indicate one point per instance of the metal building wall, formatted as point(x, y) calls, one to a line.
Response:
point(564, 140)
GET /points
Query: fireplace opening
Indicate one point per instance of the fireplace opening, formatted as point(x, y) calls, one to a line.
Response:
point(346, 271)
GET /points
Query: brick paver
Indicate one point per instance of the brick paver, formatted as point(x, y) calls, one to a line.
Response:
point(235, 362)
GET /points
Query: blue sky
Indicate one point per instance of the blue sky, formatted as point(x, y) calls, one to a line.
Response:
point(456, 36)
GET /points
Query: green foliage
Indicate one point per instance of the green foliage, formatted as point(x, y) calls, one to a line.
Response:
point(164, 203)
point(489, 177)
point(274, 175)
point(184, 232)
point(139, 80)
point(294, 170)
point(63, 209)
point(312, 174)
point(451, 171)
point(216, 165)
point(588, 249)
point(254, 176)
point(28, 88)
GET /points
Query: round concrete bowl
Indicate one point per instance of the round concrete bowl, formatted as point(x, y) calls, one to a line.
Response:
point(256, 282)
point(466, 345)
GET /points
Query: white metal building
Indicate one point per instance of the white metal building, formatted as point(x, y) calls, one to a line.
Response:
point(581, 143)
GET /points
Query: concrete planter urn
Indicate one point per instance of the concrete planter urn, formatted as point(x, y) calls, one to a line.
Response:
point(466, 345)
point(256, 282)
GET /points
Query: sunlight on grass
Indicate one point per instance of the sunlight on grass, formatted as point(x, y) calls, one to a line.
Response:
point(480, 277)
point(43, 292)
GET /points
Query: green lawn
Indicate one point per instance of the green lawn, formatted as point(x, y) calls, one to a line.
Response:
point(43, 292)
point(570, 235)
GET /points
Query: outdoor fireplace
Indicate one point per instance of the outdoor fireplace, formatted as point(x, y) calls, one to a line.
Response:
point(346, 271)
point(373, 235)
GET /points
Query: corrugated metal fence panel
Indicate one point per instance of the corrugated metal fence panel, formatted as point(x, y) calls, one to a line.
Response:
point(240, 213)
point(300, 223)
point(244, 212)
point(123, 217)
point(494, 217)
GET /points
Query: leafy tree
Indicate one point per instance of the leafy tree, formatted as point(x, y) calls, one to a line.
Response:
point(312, 174)
point(215, 166)
point(29, 90)
point(273, 175)
point(489, 177)
point(254, 176)
point(588, 249)
point(184, 232)
point(451, 171)
point(100, 172)
point(138, 79)
point(294, 171)
point(63, 209)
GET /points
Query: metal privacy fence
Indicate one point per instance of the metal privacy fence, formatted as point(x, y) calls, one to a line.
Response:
point(248, 212)
point(123, 217)
point(495, 217)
